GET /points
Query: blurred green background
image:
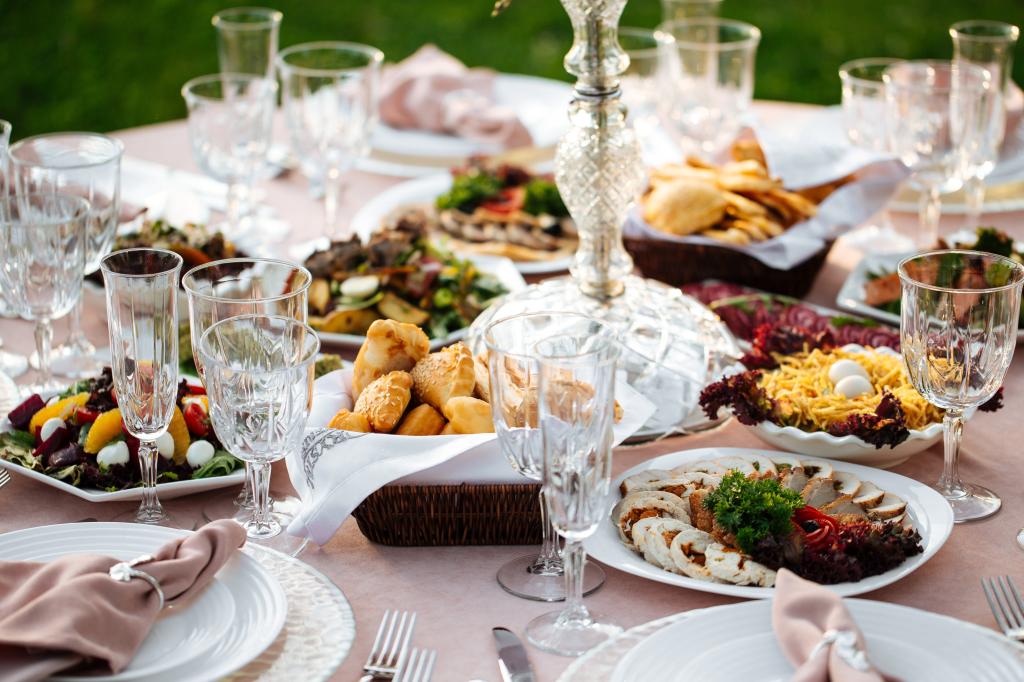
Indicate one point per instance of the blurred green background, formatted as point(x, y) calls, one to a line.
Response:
point(109, 64)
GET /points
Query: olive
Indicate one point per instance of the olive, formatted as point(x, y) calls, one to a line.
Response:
point(810, 526)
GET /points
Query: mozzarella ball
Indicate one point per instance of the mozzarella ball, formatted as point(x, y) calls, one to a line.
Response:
point(841, 369)
point(199, 453)
point(165, 445)
point(854, 386)
point(115, 453)
point(49, 427)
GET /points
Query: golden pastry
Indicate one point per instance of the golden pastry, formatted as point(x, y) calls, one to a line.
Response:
point(422, 420)
point(448, 430)
point(468, 415)
point(682, 207)
point(350, 421)
point(385, 399)
point(389, 346)
point(446, 374)
point(482, 389)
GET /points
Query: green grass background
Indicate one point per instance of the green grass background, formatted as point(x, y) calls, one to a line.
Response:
point(109, 64)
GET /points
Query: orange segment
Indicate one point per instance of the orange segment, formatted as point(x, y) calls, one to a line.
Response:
point(179, 432)
point(106, 428)
point(61, 408)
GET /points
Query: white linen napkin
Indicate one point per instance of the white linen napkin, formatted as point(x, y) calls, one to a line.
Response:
point(337, 470)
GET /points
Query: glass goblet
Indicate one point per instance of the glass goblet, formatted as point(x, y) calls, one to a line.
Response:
point(514, 379)
point(142, 308)
point(259, 379)
point(247, 39)
point(42, 238)
point(958, 330)
point(86, 165)
point(11, 364)
point(689, 9)
point(577, 388)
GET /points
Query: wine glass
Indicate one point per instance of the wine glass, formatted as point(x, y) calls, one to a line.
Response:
point(330, 92)
point(246, 286)
point(247, 39)
point(707, 80)
point(11, 364)
point(958, 330)
point(229, 125)
point(42, 239)
point(639, 82)
point(514, 386)
point(142, 306)
point(672, 10)
point(86, 165)
point(936, 112)
point(577, 388)
point(259, 379)
point(988, 44)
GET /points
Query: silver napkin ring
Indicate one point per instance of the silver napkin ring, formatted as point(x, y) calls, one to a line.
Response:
point(125, 571)
point(844, 643)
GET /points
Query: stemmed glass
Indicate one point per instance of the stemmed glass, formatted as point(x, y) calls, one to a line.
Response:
point(577, 386)
point(11, 364)
point(935, 113)
point(142, 307)
point(330, 92)
point(958, 330)
point(259, 378)
point(42, 238)
point(246, 286)
point(640, 85)
point(247, 39)
point(514, 377)
point(689, 9)
point(989, 45)
point(229, 123)
point(86, 165)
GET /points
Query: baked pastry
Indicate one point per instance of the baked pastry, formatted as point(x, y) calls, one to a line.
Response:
point(422, 420)
point(389, 346)
point(468, 415)
point(385, 399)
point(446, 374)
point(350, 421)
point(682, 207)
point(482, 389)
point(448, 430)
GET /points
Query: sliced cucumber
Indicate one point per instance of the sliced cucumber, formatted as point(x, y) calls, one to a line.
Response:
point(360, 287)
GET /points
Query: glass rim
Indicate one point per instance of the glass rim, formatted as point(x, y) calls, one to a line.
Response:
point(1011, 35)
point(105, 267)
point(846, 67)
point(375, 57)
point(188, 92)
point(984, 75)
point(80, 212)
point(492, 347)
point(309, 357)
point(5, 127)
point(186, 280)
point(116, 153)
point(751, 40)
point(272, 18)
point(1017, 268)
point(603, 345)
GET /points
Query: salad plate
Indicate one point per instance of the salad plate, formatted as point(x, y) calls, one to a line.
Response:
point(221, 630)
point(926, 510)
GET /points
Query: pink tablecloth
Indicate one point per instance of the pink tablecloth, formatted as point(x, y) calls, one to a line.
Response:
point(454, 590)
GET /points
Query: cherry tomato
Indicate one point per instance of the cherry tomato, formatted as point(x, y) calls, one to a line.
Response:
point(83, 415)
point(508, 200)
point(113, 395)
point(197, 389)
point(196, 419)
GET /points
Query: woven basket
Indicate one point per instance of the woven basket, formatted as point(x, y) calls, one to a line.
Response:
point(438, 515)
point(676, 264)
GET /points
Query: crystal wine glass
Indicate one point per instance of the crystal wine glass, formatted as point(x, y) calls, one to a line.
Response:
point(86, 165)
point(11, 364)
point(330, 92)
point(988, 44)
point(514, 378)
point(577, 387)
point(958, 330)
point(246, 286)
point(639, 82)
point(672, 10)
point(42, 237)
point(142, 306)
point(259, 378)
point(247, 39)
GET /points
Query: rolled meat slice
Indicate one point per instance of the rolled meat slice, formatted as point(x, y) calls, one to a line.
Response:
point(646, 504)
point(653, 536)
point(687, 553)
point(640, 480)
point(732, 566)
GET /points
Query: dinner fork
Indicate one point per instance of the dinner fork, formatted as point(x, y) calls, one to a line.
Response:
point(1006, 604)
point(5, 478)
point(389, 648)
point(418, 667)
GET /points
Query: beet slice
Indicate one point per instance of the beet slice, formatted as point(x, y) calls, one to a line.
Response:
point(57, 440)
point(68, 455)
point(21, 415)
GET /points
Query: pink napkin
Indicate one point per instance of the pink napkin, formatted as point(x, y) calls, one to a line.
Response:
point(431, 90)
point(69, 612)
point(802, 613)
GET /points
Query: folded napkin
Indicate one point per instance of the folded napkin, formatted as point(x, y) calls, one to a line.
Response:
point(817, 634)
point(433, 91)
point(69, 612)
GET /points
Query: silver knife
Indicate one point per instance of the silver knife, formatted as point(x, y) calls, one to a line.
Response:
point(512, 660)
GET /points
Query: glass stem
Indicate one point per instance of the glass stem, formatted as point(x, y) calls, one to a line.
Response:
point(259, 481)
point(929, 212)
point(244, 499)
point(150, 510)
point(974, 194)
point(950, 484)
point(235, 202)
point(44, 339)
point(574, 557)
point(333, 190)
point(549, 558)
point(77, 336)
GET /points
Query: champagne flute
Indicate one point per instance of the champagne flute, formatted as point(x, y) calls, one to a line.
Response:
point(11, 364)
point(577, 389)
point(142, 307)
point(958, 330)
point(259, 379)
point(247, 39)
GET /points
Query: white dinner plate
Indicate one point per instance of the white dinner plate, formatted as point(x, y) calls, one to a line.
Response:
point(231, 622)
point(736, 642)
point(540, 103)
point(423, 191)
point(929, 512)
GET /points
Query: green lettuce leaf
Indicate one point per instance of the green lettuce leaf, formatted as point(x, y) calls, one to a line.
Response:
point(221, 464)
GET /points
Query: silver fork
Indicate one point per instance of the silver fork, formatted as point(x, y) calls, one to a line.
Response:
point(5, 478)
point(418, 667)
point(1006, 604)
point(388, 652)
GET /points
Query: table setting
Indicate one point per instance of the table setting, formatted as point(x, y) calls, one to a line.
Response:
point(411, 369)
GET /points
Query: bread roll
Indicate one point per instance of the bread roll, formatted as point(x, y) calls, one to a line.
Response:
point(422, 420)
point(385, 399)
point(350, 421)
point(446, 374)
point(389, 346)
point(469, 415)
point(682, 207)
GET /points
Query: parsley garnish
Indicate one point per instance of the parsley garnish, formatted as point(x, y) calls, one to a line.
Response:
point(752, 509)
